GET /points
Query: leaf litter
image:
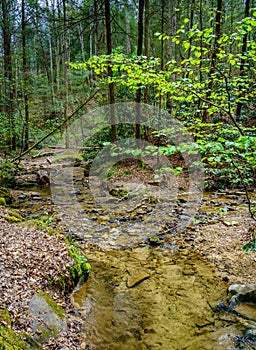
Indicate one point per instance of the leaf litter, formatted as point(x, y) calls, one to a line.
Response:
point(31, 260)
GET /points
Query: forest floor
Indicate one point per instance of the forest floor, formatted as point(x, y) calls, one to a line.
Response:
point(30, 259)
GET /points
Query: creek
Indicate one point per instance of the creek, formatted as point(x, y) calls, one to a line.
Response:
point(143, 292)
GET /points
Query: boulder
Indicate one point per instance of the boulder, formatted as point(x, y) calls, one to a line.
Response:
point(242, 293)
point(49, 318)
point(43, 177)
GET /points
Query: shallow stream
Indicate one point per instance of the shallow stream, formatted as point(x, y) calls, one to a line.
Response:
point(140, 294)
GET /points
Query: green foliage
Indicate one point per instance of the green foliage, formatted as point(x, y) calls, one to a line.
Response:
point(43, 222)
point(80, 270)
point(250, 246)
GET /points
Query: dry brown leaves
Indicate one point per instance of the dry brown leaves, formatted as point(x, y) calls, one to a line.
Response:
point(31, 260)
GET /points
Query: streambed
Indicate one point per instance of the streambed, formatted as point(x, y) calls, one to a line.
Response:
point(142, 294)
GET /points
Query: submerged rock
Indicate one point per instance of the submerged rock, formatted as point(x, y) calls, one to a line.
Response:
point(136, 278)
point(49, 317)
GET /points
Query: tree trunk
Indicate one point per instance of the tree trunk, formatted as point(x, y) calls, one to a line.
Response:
point(147, 54)
point(218, 17)
point(139, 53)
point(244, 48)
point(66, 59)
point(25, 76)
point(110, 85)
point(8, 75)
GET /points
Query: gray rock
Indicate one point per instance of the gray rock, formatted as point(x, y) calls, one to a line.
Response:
point(43, 177)
point(242, 293)
point(251, 334)
point(48, 317)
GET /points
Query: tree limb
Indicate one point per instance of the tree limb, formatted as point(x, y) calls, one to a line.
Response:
point(55, 129)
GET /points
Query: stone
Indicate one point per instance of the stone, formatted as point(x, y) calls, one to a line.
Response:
point(154, 240)
point(48, 317)
point(43, 177)
point(136, 278)
point(9, 340)
point(242, 293)
point(251, 334)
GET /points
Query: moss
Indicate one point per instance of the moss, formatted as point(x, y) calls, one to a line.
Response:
point(9, 340)
point(76, 159)
point(16, 215)
point(78, 272)
point(5, 316)
point(56, 308)
point(11, 218)
point(2, 201)
point(6, 195)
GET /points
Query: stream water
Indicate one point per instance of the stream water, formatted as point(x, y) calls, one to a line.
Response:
point(139, 295)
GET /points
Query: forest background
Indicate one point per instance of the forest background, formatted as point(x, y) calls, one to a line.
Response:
point(196, 59)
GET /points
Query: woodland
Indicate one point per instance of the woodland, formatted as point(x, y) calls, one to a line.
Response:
point(193, 60)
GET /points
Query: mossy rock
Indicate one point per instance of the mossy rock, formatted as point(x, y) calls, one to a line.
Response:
point(49, 319)
point(2, 202)
point(5, 317)
point(12, 218)
point(9, 340)
point(4, 193)
point(69, 158)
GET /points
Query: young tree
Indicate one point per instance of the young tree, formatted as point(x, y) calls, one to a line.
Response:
point(25, 76)
point(111, 84)
point(8, 73)
point(218, 17)
point(139, 53)
point(242, 63)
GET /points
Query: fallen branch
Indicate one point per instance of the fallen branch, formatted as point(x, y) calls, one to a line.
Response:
point(55, 129)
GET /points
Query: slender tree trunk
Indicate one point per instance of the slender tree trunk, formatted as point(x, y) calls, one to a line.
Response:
point(242, 63)
point(146, 41)
point(110, 85)
point(97, 28)
point(139, 53)
point(201, 53)
point(128, 30)
point(162, 44)
point(65, 67)
point(218, 17)
point(147, 54)
point(25, 76)
point(8, 75)
point(191, 23)
point(170, 44)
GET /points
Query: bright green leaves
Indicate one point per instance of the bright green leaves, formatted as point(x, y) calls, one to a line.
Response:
point(161, 36)
point(250, 246)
